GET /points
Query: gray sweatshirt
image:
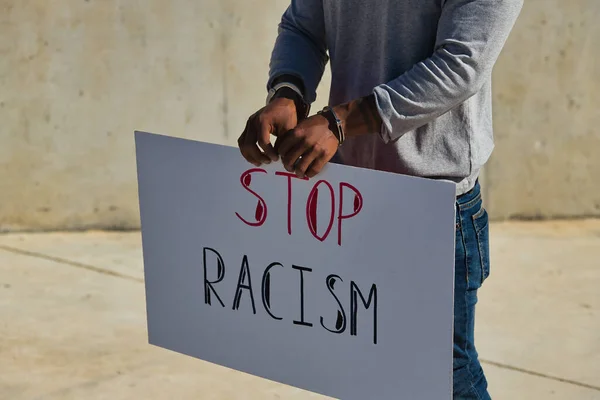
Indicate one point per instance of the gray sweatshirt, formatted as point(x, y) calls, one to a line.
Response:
point(429, 64)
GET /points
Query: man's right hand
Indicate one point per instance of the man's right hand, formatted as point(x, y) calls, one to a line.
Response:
point(278, 117)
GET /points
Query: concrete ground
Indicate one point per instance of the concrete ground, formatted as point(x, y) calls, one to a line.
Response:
point(72, 321)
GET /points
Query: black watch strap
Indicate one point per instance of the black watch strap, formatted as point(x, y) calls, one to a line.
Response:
point(335, 124)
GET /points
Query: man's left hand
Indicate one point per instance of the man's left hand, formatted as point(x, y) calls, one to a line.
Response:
point(307, 148)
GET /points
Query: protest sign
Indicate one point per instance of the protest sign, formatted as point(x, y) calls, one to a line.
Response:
point(341, 284)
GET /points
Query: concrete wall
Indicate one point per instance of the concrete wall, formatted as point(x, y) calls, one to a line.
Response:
point(547, 114)
point(78, 77)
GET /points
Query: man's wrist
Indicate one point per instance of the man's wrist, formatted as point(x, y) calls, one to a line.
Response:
point(286, 92)
point(335, 124)
point(291, 87)
point(359, 117)
point(302, 109)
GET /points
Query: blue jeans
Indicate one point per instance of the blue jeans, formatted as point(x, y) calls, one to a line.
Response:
point(472, 267)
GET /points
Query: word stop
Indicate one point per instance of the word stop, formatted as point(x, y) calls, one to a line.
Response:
point(346, 192)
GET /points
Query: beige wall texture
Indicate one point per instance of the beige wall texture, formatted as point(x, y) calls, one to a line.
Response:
point(547, 114)
point(78, 77)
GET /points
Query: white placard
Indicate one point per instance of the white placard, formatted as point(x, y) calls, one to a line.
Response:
point(341, 285)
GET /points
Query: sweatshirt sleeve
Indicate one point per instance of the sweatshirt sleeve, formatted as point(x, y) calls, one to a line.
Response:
point(470, 37)
point(300, 49)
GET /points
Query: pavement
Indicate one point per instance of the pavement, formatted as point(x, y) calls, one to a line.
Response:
point(72, 321)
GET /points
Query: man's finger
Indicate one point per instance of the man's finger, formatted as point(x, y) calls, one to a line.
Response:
point(253, 152)
point(316, 166)
point(248, 147)
point(241, 145)
point(286, 142)
point(241, 141)
point(264, 141)
point(304, 163)
point(280, 138)
point(292, 156)
point(252, 136)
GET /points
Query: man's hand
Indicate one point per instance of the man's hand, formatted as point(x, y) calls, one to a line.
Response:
point(308, 147)
point(276, 118)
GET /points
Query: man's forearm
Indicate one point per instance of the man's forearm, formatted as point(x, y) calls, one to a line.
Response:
point(470, 36)
point(300, 48)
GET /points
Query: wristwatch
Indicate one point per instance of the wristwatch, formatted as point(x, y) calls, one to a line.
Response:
point(335, 124)
point(295, 94)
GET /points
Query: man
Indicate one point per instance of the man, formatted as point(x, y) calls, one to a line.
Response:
point(411, 94)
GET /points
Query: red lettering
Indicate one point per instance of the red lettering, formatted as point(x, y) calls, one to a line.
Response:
point(358, 203)
point(260, 214)
point(261, 207)
point(289, 197)
point(311, 210)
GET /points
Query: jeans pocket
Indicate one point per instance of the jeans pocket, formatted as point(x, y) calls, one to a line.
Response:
point(482, 232)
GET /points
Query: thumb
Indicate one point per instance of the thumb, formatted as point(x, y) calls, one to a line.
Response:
point(264, 141)
point(286, 125)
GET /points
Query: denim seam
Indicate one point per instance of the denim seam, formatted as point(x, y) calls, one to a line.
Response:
point(467, 348)
point(462, 239)
point(477, 215)
point(468, 254)
point(478, 231)
point(470, 203)
point(461, 208)
point(474, 388)
point(466, 319)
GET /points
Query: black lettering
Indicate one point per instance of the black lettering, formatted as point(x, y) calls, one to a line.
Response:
point(340, 324)
point(266, 289)
point(354, 293)
point(302, 321)
point(244, 272)
point(208, 285)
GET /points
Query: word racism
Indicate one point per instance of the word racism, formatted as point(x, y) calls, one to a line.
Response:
point(245, 283)
point(212, 260)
